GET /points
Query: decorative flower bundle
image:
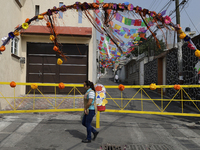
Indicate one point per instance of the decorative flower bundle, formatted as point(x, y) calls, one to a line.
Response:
point(61, 85)
point(121, 87)
point(152, 86)
point(177, 87)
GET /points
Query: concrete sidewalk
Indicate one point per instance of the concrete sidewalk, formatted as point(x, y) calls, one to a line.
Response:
point(64, 131)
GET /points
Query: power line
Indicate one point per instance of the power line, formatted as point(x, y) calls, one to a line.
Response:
point(184, 2)
point(191, 20)
point(152, 4)
point(158, 5)
point(169, 3)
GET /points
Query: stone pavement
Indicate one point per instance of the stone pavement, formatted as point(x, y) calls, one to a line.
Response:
point(63, 131)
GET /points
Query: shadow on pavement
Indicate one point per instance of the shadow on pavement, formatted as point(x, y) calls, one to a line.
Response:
point(76, 134)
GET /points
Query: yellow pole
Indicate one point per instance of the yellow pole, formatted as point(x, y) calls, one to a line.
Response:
point(141, 100)
point(121, 101)
point(182, 98)
point(98, 119)
point(34, 100)
point(162, 99)
point(55, 97)
point(74, 98)
point(14, 100)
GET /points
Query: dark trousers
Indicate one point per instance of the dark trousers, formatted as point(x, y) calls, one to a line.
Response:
point(87, 119)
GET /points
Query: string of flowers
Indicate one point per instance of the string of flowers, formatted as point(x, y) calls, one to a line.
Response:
point(166, 21)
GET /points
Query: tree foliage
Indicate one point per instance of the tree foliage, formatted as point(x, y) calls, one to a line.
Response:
point(149, 45)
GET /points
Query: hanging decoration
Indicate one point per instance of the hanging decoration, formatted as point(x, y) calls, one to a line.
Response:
point(105, 26)
point(100, 97)
point(34, 86)
point(61, 85)
point(12, 84)
point(152, 86)
point(177, 87)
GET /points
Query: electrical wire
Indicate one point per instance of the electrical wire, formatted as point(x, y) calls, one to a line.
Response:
point(157, 5)
point(184, 2)
point(191, 21)
point(169, 3)
point(152, 4)
point(181, 8)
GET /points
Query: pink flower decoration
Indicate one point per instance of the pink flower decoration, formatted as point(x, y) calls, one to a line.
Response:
point(167, 20)
point(191, 46)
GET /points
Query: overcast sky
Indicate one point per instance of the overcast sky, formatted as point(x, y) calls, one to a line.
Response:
point(189, 16)
point(191, 8)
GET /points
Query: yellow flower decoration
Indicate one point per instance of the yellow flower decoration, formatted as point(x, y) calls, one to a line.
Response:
point(59, 61)
point(197, 53)
point(40, 17)
point(104, 102)
point(25, 25)
point(16, 33)
point(101, 94)
point(52, 38)
point(34, 86)
point(172, 28)
point(180, 31)
point(182, 35)
point(152, 86)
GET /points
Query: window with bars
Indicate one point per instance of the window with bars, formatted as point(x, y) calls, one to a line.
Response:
point(14, 46)
point(60, 12)
point(37, 11)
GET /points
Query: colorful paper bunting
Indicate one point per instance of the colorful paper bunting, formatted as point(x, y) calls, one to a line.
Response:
point(117, 27)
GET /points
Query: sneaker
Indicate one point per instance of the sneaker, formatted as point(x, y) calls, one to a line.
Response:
point(86, 141)
point(95, 135)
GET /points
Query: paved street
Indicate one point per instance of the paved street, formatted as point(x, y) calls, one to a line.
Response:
point(133, 131)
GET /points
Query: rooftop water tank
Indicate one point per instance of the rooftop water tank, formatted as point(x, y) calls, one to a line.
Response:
point(187, 29)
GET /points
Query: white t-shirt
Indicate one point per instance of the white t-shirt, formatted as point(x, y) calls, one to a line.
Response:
point(91, 94)
point(116, 77)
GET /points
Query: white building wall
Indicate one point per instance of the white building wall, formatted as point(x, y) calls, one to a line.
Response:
point(70, 17)
point(10, 68)
point(12, 15)
point(122, 74)
point(141, 70)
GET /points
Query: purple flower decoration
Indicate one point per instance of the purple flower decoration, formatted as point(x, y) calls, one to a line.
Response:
point(63, 8)
point(11, 35)
point(49, 12)
point(115, 6)
point(77, 5)
point(86, 5)
point(187, 38)
point(54, 9)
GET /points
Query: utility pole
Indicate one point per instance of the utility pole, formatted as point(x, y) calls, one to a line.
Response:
point(179, 54)
point(179, 44)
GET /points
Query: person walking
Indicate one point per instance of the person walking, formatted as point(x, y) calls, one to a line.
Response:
point(89, 110)
point(116, 78)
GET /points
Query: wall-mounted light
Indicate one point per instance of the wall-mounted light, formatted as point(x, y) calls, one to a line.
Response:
point(22, 60)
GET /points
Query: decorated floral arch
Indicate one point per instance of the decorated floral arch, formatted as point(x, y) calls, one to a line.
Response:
point(104, 25)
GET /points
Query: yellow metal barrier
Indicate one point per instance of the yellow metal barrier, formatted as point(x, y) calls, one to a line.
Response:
point(161, 110)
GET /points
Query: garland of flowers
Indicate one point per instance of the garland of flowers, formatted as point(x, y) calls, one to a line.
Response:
point(165, 21)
